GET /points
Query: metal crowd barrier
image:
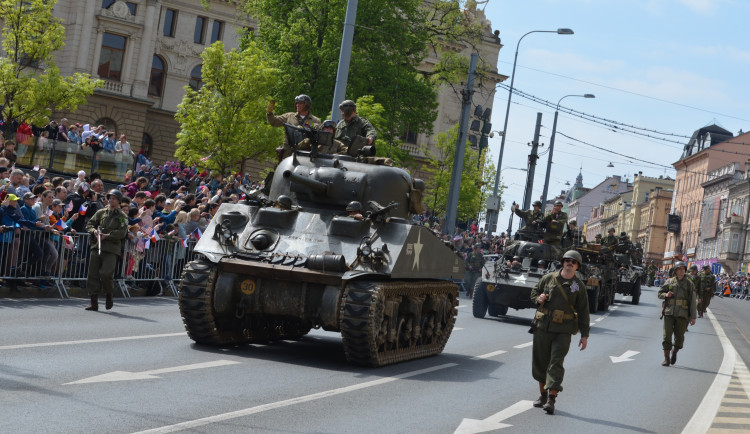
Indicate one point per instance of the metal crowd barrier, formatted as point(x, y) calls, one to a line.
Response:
point(61, 261)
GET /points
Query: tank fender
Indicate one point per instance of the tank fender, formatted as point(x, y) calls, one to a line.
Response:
point(223, 294)
point(328, 315)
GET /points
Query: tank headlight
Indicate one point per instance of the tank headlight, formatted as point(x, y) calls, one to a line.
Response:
point(260, 241)
point(366, 250)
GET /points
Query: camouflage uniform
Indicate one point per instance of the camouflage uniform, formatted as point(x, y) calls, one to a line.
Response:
point(347, 131)
point(609, 241)
point(529, 217)
point(681, 308)
point(114, 224)
point(651, 272)
point(292, 118)
point(552, 340)
point(474, 264)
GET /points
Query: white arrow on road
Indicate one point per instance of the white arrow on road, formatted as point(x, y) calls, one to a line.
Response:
point(625, 357)
point(471, 426)
point(149, 375)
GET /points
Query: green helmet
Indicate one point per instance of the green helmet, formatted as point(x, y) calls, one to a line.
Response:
point(354, 206)
point(347, 104)
point(116, 193)
point(693, 267)
point(537, 203)
point(285, 202)
point(679, 264)
point(572, 254)
point(304, 99)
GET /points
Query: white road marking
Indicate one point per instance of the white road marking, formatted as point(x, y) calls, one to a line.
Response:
point(709, 406)
point(457, 328)
point(599, 319)
point(625, 357)
point(472, 426)
point(293, 401)
point(527, 344)
point(150, 375)
point(89, 341)
point(488, 355)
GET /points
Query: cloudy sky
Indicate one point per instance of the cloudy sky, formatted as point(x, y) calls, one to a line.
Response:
point(658, 68)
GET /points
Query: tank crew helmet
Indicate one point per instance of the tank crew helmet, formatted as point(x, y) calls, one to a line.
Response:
point(541, 264)
point(116, 193)
point(693, 267)
point(679, 264)
point(558, 203)
point(572, 254)
point(328, 124)
point(517, 258)
point(348, 107)
point(707, 267)
point(303, 99)
point(537, 203)
point(623, 234)
point(354, 206)
point(598, 236)
point(611, 230)
point(285, 202)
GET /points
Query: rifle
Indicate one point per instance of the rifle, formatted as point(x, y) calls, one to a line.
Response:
point(99, 239)
point(664, 307)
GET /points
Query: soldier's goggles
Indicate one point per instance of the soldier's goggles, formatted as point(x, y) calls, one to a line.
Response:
point(570, 260)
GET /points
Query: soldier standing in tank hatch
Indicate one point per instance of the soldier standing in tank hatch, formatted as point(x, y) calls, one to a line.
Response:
point(679, 295)
point(610, 240)
point(531, 218)
point(351, 125)
point(301, 117)
point(563, 311)
point(107, 228)
point(555, 221)
point(474, 264)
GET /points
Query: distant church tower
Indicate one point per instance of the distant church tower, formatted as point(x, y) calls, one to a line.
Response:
point(579, 180)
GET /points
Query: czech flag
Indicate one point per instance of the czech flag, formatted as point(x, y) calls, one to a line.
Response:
point(69, 207)
point(60, 223)
point(147, 244)
point(69, 244)
point(154, 236)
point(183, 241)
point(197, 234)
point(82, 210)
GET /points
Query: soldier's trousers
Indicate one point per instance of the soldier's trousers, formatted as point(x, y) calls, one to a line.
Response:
point(706, 300)
point(677, 326)
point(548, 355)
point(471, 278)
point(101, 277)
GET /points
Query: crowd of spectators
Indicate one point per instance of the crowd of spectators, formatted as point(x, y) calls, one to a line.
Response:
point(735, 286)
point(464, 239)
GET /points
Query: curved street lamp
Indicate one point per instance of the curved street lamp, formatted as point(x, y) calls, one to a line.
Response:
point(494, 213)
point(552, 146)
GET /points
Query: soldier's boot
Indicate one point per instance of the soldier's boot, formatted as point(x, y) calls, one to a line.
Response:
point(666, 358)
point(549, 407)
point(109, 303)
point(673, 360)
point(542, 396)
point(94, 303)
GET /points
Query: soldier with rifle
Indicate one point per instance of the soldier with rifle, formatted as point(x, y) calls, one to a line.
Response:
point(678, 310)
point(706, 289)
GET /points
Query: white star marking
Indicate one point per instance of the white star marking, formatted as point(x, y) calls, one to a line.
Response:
point(520, 278)
point(417, 250)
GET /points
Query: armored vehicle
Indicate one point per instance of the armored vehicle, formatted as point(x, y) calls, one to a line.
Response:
point(600, 275)
point(507, 279)
point(629, 277)
point(289, 259)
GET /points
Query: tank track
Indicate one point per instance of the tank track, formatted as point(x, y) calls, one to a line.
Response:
point(390, 322)
point(195, 300)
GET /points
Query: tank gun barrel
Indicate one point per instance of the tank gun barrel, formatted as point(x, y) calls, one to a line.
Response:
point(316, 186)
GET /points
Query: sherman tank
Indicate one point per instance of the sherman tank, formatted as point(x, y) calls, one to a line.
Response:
point(289, 259)
point(507, 279)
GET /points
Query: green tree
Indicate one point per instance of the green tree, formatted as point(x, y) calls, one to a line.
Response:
point(31, 86)
point(391, 39)
point(224, 122)
point(477, 175)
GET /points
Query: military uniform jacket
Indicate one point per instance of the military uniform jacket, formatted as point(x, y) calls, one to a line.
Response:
point(293, 118)
point(609, 241)
point(575, 290)
point(555, 229)
point(113, 223)
point(336, 147)
point(708, 282)
point(347, 131)
point(683, 303)
point(529, 217)
point(695, 280)
point(474, 261)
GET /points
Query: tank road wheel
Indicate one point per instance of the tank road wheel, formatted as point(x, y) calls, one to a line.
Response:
point(479, 303)
point(636, 291)
point(195, 300)
point(389, 322)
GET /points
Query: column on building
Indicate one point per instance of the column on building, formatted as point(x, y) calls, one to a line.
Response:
point(88, 12)
point(97, 50)
point(150, 27)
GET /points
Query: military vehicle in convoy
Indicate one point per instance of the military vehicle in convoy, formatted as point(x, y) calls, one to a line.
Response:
point(629, 276)
point(507, 279)
point(289, 259)
point(600, 275)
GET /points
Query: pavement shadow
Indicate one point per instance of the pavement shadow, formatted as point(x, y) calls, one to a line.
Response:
point(606, 423)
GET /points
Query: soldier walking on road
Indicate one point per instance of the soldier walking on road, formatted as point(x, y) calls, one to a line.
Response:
point(706, 290)
point(107, 228)
point(679, 295)
point(563, 311)
point(474, 264)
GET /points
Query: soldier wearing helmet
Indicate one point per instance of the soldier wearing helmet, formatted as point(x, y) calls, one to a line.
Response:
point(474, 263)
point(555, 221)
point(284, 202)
point(107, 229)
point(706, 289)
point(610, 240)
point(531, 218)
point(301, 117)
point(351, 125)
point(354, 210)
point(335, 147)
point(680, 309)
point(563, 311)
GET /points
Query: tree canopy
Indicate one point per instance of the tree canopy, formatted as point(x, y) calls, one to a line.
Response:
point(31, 86)
point(224, 122)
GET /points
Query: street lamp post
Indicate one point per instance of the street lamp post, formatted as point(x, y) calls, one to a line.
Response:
point(492, 214)
point(552, 146)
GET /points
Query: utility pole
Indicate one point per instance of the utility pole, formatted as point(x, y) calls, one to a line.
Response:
point(458, 159)
point(533, 156)
point(345, 55)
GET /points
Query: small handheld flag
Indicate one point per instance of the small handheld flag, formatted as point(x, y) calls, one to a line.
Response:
point(197, 234)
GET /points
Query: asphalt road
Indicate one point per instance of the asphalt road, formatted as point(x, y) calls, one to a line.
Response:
point(134, 369)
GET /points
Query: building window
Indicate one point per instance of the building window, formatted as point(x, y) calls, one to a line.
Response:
point(196, 75)
point(735, 247)
point(156, 83)
point(199, 36)
point(217, 31)
point(170, 22)
point(110, 59)
point(109, 124)
point(411, 137)
point(147, 143)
